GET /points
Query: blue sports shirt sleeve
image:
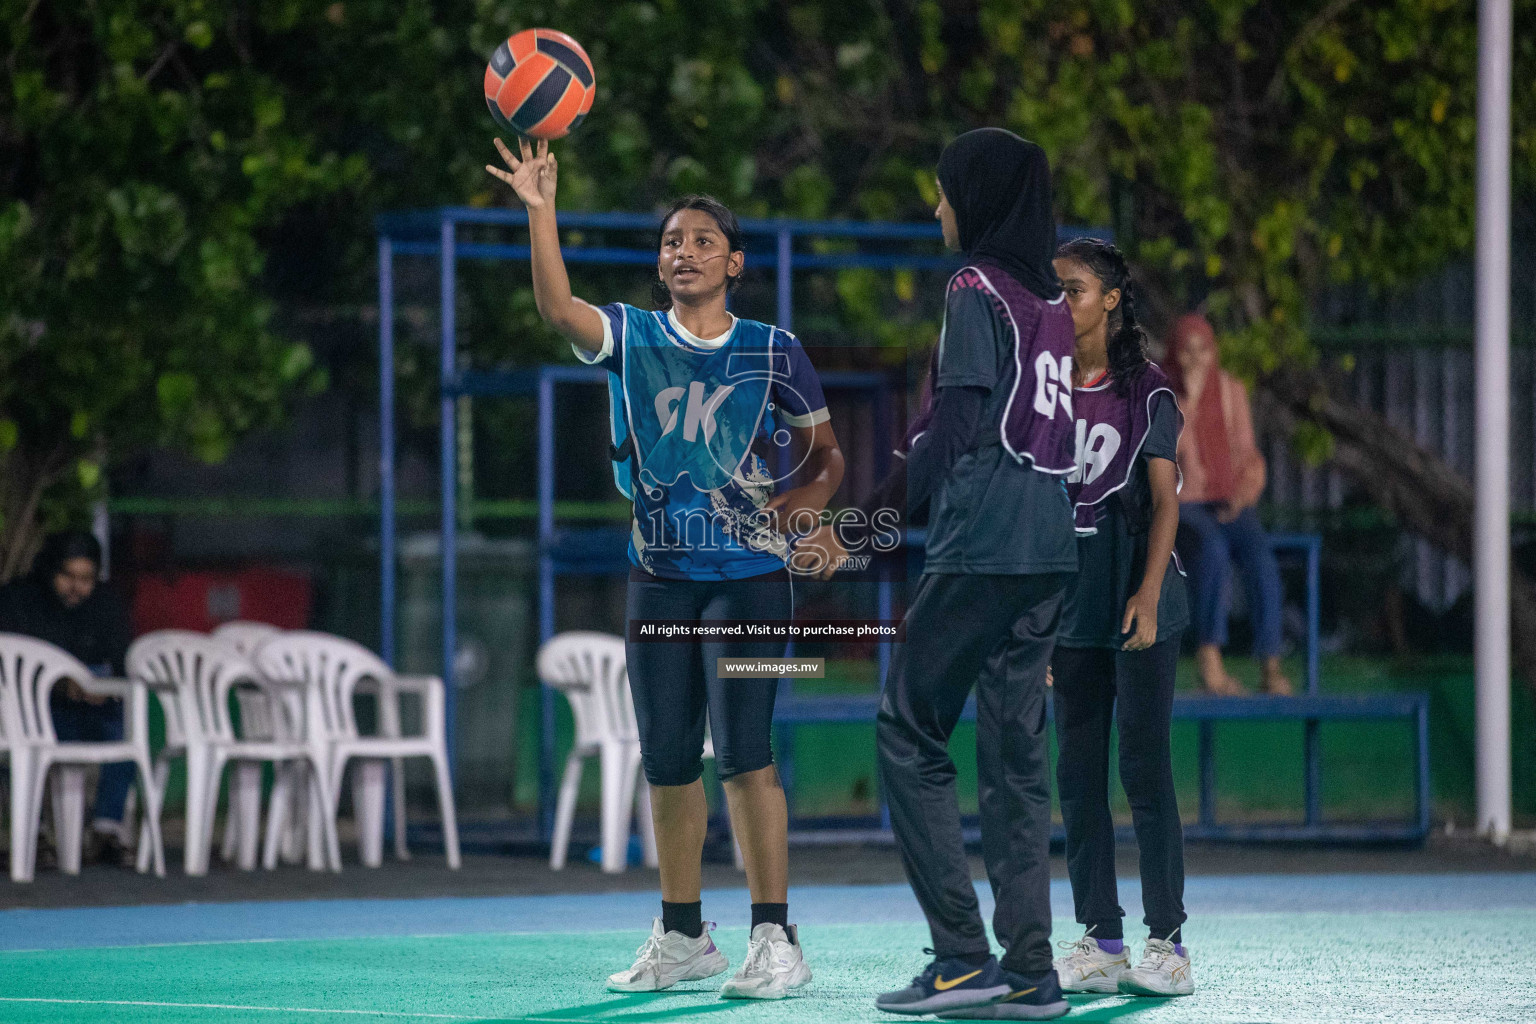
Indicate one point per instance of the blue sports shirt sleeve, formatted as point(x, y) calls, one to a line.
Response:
point(611, 356)
point(799, 398)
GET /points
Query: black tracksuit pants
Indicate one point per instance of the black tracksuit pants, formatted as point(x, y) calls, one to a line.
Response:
point(997, 633)
point(1094, 689)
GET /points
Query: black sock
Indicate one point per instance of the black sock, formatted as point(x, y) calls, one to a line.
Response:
point(975, 959)
point(772, 913)
point(683, 917)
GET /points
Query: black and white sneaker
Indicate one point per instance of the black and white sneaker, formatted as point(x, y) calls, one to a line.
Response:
point(1037, 998)
point(948, 984)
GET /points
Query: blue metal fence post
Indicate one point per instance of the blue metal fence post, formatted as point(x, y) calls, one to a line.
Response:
point(784, 279)
point(1312, 742)
point(546, 434)
point(1313, 786)
point(1314, 600)
point(449, 451)
point(1421, 720)
point(387, 472)
point(387, 451)
point(1207, 774)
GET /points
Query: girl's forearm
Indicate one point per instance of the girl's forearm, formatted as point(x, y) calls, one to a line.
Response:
point(551, 284)
point(1160, 548)
point(573, 318)
point(826, 465)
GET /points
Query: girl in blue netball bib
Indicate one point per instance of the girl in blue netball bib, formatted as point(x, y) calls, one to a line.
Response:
point(709, 404)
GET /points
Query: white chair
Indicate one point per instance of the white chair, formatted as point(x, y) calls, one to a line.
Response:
point(29, 670)
point(589, 669)
point(245, 636)
point(198, 673)
point(331, 669)
point(255, 712)
point(259, 720)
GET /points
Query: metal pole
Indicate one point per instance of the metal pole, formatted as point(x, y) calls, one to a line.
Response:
point(1421, 789)
point(546, 434)
point(1314, 604)
point(1495, 32)
point(1207, 774)
point(1313, 785)
point(783, 280)
point(448, 449)
point(387, 450)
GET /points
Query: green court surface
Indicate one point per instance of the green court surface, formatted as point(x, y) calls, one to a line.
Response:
point(1376, 959)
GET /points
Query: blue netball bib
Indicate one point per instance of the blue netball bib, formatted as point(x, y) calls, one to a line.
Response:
point(695, 414)
point(695, 426)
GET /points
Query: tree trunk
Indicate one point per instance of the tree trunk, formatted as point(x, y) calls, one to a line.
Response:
point(1425, 494)
point(25, 476)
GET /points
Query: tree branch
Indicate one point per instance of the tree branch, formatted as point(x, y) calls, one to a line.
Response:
point(1301, 39)
point(1416, 486)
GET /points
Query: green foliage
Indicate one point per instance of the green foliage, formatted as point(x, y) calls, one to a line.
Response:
point(173, 169)
point(144, 154)
point(1265, 148)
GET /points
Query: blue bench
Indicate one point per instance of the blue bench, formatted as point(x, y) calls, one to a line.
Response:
point(1312, 710)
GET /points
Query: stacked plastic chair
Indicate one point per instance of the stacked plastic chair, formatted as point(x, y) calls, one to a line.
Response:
point(195, 676)
point(330, 670)
point(260, 719)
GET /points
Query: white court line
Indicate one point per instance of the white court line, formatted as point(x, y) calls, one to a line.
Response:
point(228, 1006)
point(308, 938)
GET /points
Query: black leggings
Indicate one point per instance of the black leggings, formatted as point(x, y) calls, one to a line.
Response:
point(675, 683)
point(1094, 688)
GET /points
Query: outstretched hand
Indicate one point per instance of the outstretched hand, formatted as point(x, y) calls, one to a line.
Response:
point(533, 176)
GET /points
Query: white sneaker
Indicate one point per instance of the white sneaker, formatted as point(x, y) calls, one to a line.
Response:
point(667, 958)
point(774, 965)
point(1162, 972)
point(1090, 968)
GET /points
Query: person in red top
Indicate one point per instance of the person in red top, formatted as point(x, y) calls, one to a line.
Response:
point(1224, 475)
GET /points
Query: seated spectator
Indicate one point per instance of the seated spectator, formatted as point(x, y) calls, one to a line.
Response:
point(1224, 475)
point(63, 603)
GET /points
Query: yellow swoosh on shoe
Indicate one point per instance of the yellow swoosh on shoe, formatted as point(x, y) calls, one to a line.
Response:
point(944, 986)
point(1016, 995)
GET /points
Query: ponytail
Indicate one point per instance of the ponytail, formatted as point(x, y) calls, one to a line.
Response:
point(1127, 342)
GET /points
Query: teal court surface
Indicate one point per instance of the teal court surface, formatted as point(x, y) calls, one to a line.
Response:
point(1328, 948)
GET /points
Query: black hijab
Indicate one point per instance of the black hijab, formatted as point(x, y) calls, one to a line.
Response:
point(999, 186)
point(97, 631)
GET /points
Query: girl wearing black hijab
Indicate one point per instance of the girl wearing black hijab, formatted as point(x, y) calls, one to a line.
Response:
point(988, 453)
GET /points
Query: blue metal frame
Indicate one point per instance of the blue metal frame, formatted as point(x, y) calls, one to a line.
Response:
point(434, 233)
